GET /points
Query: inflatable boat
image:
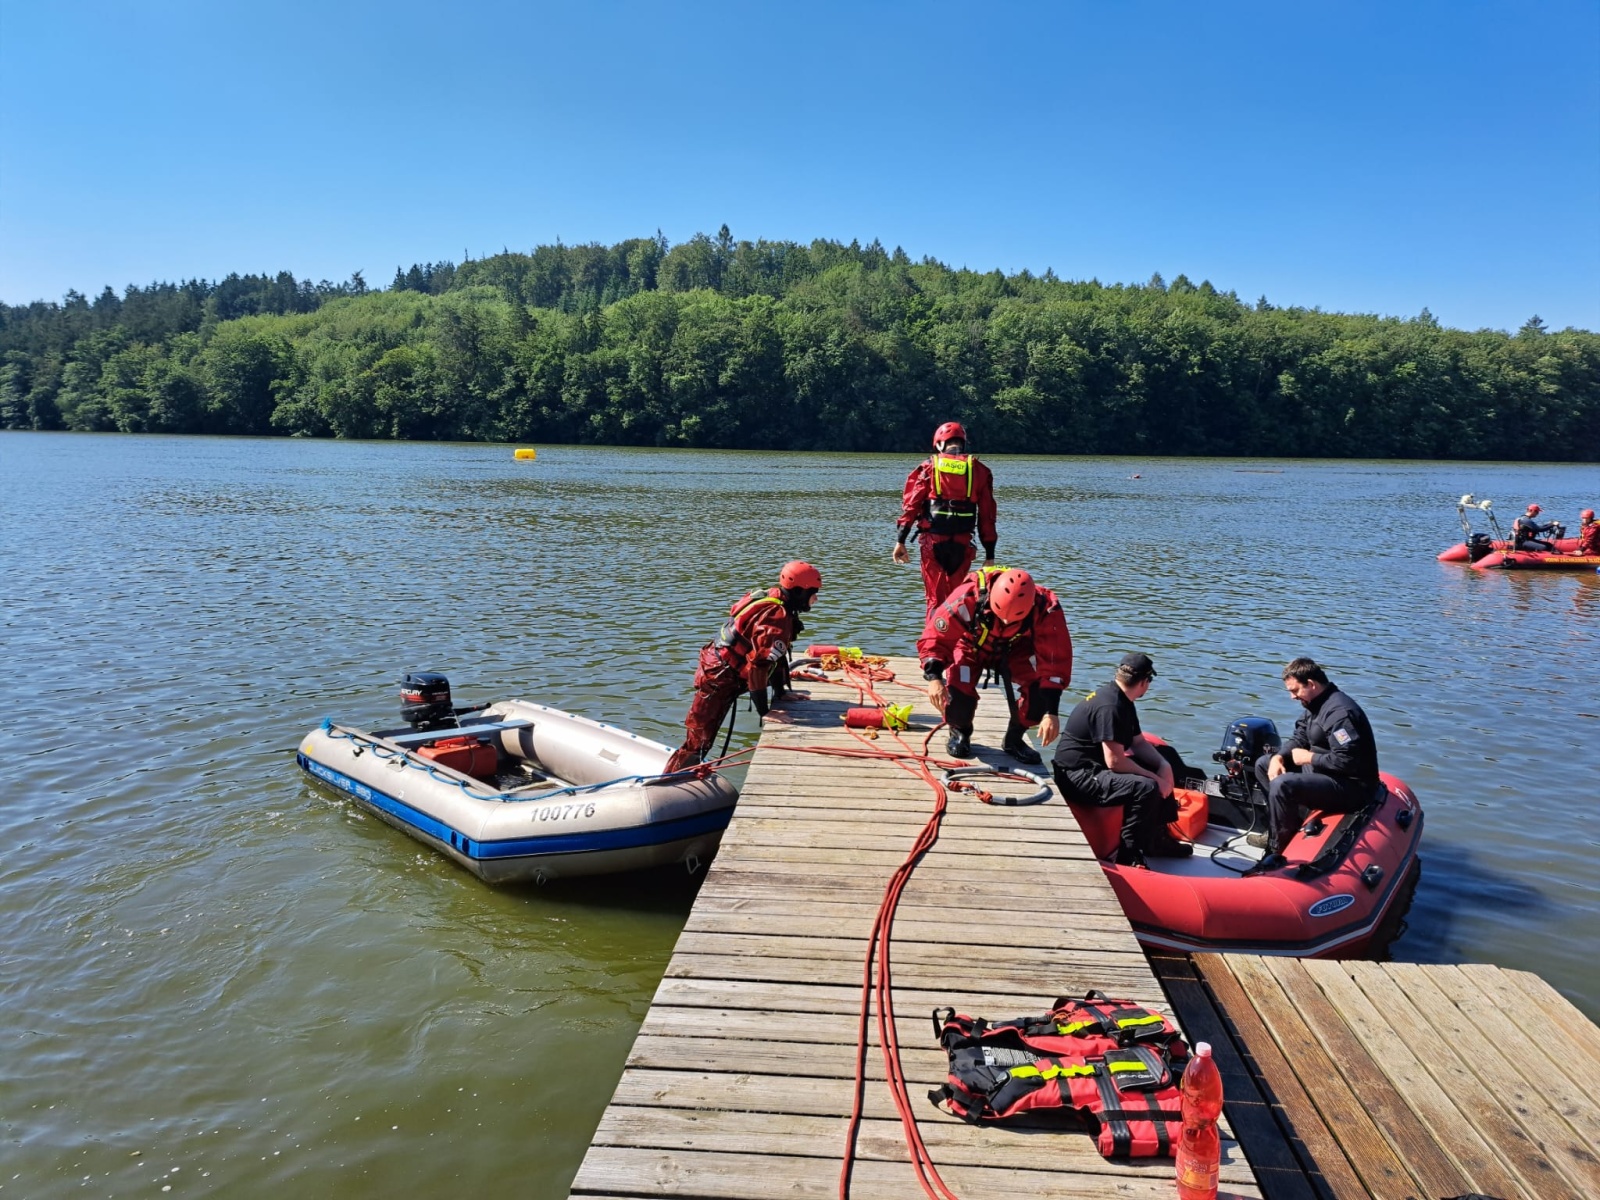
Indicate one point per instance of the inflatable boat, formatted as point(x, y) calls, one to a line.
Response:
point(1343, 894)
point(1496, 553)
point(518, 791)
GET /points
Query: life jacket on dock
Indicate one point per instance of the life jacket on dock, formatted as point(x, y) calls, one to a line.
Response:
point(1089, 1026)
point(1128, 1097)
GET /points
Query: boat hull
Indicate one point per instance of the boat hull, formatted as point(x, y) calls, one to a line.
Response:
point(1459, 552)
point(619, 815)
point(1193, 906)
point(1534, 560)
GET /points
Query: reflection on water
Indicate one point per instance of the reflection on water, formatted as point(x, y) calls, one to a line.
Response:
point(224, 980)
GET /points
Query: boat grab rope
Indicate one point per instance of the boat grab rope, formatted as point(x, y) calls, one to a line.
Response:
point(387, 754)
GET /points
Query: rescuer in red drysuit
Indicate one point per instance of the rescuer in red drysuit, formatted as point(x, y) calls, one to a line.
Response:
point(751, 650)
point(1588, 533)
point(1008, 624)
point(946, 498)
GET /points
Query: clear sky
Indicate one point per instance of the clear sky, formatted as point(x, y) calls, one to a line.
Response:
point(1372, 157)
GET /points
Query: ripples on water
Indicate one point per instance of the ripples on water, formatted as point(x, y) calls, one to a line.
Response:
point(221, 979)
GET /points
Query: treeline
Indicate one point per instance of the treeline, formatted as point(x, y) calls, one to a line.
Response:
point(778, 345)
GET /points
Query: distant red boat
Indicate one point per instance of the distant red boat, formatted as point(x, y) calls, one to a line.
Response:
point(1462, 552)
point(1536, 560)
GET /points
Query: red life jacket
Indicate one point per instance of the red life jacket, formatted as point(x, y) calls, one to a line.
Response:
point(1112, 1061)
point(1128, 1097)
point(1089, 1026)
point(734, 635)
point(952, 494)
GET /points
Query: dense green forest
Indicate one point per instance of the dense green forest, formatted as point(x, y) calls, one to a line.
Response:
point(775, 345)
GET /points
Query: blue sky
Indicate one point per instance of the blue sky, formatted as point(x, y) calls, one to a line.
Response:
point(1373, 157)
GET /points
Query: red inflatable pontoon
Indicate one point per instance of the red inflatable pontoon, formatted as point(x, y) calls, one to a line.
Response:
point(1536, 560)
point(1341, 895)
point(1461, 553)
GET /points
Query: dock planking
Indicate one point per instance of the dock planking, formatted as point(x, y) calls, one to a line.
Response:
point(739, 1084)
point(1349, 1080)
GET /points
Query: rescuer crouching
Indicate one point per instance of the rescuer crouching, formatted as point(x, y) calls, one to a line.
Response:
point(750, 652)
point(1002, 622)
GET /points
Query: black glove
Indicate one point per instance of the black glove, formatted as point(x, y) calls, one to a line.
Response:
point(758, 697)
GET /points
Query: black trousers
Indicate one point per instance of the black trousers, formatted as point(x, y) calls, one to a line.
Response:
point(1143, 811)
point(1301, 788)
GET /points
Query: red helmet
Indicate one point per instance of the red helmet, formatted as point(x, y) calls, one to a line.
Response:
point(950, 431)
point(1011, 597)
point(800, 575)
point(1586, 515)
point(1534, 509)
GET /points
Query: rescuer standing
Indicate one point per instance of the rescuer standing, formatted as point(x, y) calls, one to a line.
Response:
point(750, 651)
point(946, 499)
point(1007, 624)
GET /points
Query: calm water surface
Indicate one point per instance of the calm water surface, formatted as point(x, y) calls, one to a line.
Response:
point(221, 980)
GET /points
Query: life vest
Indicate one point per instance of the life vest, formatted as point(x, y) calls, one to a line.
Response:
point(733, 636)
point(1091, 1025)
point(952, 505)
point(1127, 1097)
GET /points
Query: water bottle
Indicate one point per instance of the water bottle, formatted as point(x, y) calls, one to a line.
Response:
point(1200, 1148)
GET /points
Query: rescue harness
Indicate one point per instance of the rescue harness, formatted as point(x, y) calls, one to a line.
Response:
point(1111, 1061)
point(733, 636)
point(951, 506)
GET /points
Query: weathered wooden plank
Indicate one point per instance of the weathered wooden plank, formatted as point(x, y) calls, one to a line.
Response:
point(974, 893)
point(1555, 1041)
point(1451, 1065)
point(1283, 1166)
point(1089, 932)
point(1525, 1057)
point(626, 1171)
point(880, 1139)
point(1389, 1051)
point(1559, 1009)
point(1406, 1134)
point(1069, 976)
point(1113, 949)
point(1311, 1095)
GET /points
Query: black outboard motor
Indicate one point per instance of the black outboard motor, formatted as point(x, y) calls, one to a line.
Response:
point(1244, 741)
point(1478, 545)
point(425, 700)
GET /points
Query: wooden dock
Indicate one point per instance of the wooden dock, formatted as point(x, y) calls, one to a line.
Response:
point(740, 1082)
point(1349, 1080)
point(1344, 1081)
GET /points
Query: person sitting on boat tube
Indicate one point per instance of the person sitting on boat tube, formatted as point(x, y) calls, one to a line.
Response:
point(750, 651)
point(1330, 762)
point(1588, 534)
point(946, 499)
point(1008, 624)
point(1104, 759)
point(1527, 532)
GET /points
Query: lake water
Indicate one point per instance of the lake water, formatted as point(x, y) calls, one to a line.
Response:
point(222, 980)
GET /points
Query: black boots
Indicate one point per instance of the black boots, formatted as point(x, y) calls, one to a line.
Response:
point(960, 744)
point(1019, 749)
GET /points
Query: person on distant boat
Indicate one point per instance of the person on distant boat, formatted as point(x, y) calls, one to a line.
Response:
point(1007, 624)
point(1527, 532)
point(1105, 760)
point(946, 499)
point(1588, 533)
point(1330, 762)
point(750, 652)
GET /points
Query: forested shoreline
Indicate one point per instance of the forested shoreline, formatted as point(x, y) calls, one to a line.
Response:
point(779, 345)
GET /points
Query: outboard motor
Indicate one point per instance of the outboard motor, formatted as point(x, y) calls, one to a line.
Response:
point(1244, 741)
point(425, 700)
point(1478, 545)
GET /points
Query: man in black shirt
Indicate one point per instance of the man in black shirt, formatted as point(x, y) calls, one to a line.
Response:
point(1330, 762)
point(1104, 759)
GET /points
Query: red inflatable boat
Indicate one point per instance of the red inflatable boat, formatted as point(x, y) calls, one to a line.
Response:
point(1347, 885)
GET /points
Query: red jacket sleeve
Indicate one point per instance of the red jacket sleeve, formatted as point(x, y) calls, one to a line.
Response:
point(914, 500)
point(949, 623)
point(983, 484)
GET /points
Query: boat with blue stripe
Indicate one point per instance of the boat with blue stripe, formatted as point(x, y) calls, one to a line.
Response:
point(518, 791)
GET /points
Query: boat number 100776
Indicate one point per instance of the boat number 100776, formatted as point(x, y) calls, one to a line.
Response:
point(560, 812)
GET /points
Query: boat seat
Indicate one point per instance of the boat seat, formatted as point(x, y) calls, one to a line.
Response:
point(480, 731)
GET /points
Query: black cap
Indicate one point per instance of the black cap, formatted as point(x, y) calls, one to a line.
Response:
point(1136, 666)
